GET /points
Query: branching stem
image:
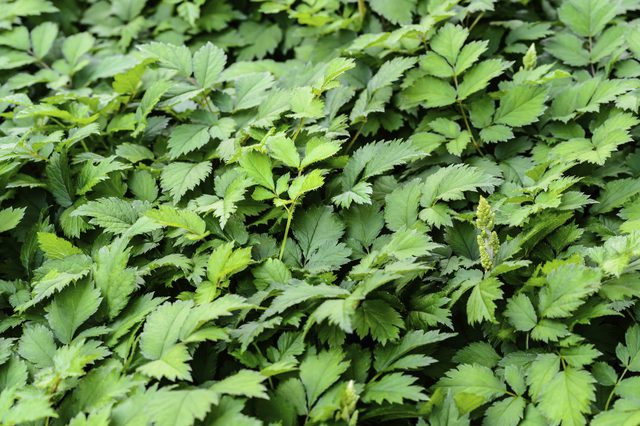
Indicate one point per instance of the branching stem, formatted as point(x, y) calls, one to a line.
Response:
point(286, 229)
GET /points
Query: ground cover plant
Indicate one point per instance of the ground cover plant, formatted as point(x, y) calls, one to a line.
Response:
point(319, 212)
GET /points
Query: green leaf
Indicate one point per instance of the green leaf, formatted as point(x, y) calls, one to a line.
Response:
point(473, 379)
point(629, 353)
point(258, 167)
point(586, 18)
point(399, 12)
point(92, 174)
point(480, 353)
point(401, 206)
point(615, 193)
point(169, 407)
point(478, 77)
point(186, 138)
point(113, 214)
point(208, 63)
point(283, 149)
point(393, 388)
point(10, 218)
point(71, 308)
point(318, 372)
point(318, 233)
point(172, 325)
point(521, 313)
point(115, 281)
point(42, 38)
point(507, 412)
point(170, 56)
point(390, 356)
point(429, 92)
point(22, 406)
point(183, 219)
point(56, 274)
point(151, 97)
point(481, 304)
point(178, 178)
point(244, 383)
point(450, 183)
point(224, 262)
point(263, 40)
point(299, 292)
point(521, 105)
point(567, 397)
point(59, 179)
point(318, 149)
point(448, 42)
point(496, 133)
point(251, 90)
point(378, 319)
point(566, 288)
point(37, 345)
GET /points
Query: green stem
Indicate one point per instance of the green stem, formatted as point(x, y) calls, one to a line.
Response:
point(297, 132)
point(362, 9)
point(355, 137)
point(473, 24)
point(468, 126)
point(207, 102)
point(286, 230)
point(606, 405)
point(593, 71)
point(464, 118)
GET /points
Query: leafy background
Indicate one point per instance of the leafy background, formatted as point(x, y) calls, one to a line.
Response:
point(319, 212)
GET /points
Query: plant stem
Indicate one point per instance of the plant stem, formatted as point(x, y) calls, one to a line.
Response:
point(355, 137)
point(362, 9)
point(468, 126)
point(464, 117)
point(297, 132)
point(286, 230)
point(593, 71)
point(606, 405)
point(475, 21)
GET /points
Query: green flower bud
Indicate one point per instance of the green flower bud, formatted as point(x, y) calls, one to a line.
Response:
point(488, 241)
point(530, 58)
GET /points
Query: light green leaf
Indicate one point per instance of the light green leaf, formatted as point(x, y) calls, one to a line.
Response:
point(283, 149)
point(115, 281)
point(42, 38)
point(478, 77)
point(71, 308)
point(258, 168)
point(208, 63)
point(481, 304)
point(521, 105)
point(225, 261)
point(186, 138)
point(521, 313)
point(587, 18)
point(319, 372)
point(567, 396)
point(178, 178)
point(244, 383)
point(394, 388)
point(399, 12)
point(10, 218)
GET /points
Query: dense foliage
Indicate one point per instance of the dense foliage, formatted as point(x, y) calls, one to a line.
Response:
point(336, 212)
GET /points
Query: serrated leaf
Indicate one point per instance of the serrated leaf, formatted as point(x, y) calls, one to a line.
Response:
point(393, 388)
point(520, 106)
point(208, 63)
point(178, 178)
